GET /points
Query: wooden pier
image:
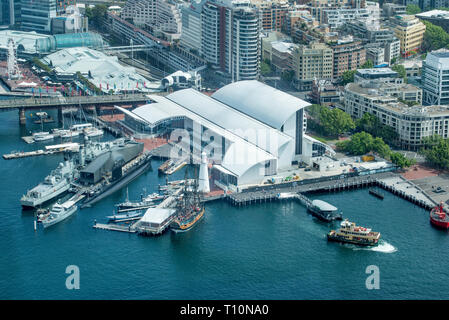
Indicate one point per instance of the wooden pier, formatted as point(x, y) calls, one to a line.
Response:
point(115, 227)
point(269, 194)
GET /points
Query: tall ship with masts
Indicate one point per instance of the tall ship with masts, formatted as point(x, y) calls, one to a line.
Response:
point(190, 209)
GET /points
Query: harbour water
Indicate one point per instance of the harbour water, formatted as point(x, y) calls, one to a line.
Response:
point(266, 251)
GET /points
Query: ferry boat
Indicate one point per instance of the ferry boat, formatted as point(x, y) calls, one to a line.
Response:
point(350, 233)
point(324, 211)
point(190, 209)
point(59, 212)
point(439, 218)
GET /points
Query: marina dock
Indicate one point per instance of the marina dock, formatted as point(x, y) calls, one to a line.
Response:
point(115, 227)
point(53, 149)
point(387, 180)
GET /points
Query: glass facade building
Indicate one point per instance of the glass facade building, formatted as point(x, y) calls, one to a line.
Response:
point(36, 15)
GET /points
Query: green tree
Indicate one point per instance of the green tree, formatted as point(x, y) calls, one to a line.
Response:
point(362, 143)
point(329, 122)
point(367, 65)
point(314, 110)
point(96, 14)
point(400, 69)
point(400, 160)
point(434, 38)
point(287, 75)
point(265, 68)
point(335, 121)
point(347, 77)
point(380, 147)
point(413, 9)
point(436, 151)
point(371, 124)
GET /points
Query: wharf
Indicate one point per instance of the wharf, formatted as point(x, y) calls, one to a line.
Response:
point(17, 155)
point(53, 149)
point(115, 227)
point(389, 181)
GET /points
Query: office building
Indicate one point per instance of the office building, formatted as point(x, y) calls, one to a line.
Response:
point(310, 62)
point(435, 77)
point(410, 32)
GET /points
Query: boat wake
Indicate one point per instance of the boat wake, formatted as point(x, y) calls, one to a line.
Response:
point(383, 247)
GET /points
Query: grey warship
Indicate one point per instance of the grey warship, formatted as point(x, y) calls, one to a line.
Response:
point(112, 170)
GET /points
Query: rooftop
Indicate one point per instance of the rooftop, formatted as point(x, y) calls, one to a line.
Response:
point(105, 71)
point(434, 14)
point(27, 40)
point(259, 101)
point(157, 215)
point(283, 46)
point(377, 71)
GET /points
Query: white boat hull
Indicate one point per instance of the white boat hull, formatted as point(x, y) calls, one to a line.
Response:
point(52, 221)
point(34, 202)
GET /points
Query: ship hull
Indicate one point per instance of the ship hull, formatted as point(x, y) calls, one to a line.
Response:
point(176, 228)
point(30, 205)
point(318, 214)
point(48, 223)
point(439, 224)
point(118, 184)
point(343, 240)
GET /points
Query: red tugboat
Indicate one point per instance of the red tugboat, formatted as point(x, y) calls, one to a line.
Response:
point(439, 218)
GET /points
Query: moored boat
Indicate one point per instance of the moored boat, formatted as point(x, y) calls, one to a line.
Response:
point(324, 211)
point(93, 132)
point(126, 216)
point(59, 212)
point(376, 194)
point(350, 233)
point(42, 136)
point(55, 184)
point(439, 218)
point(190, 209)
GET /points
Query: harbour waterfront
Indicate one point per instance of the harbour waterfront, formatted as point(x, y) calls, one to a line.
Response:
point(265, 251)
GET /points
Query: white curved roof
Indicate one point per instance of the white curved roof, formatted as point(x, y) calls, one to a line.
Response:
point(241, 154)
point(323, 206)
point(260, 101)
point(241, 124)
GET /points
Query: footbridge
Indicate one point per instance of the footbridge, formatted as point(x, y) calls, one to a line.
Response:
point(59, 103)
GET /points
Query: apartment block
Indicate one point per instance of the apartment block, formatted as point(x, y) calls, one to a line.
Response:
point(410, 32)
point(347, 56)
point(435, 77)
point(411, 123)
point(313, 61)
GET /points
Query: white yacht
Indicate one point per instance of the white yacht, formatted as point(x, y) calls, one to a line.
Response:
point(59, 212)
point(42, 136)
point(93, 132)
